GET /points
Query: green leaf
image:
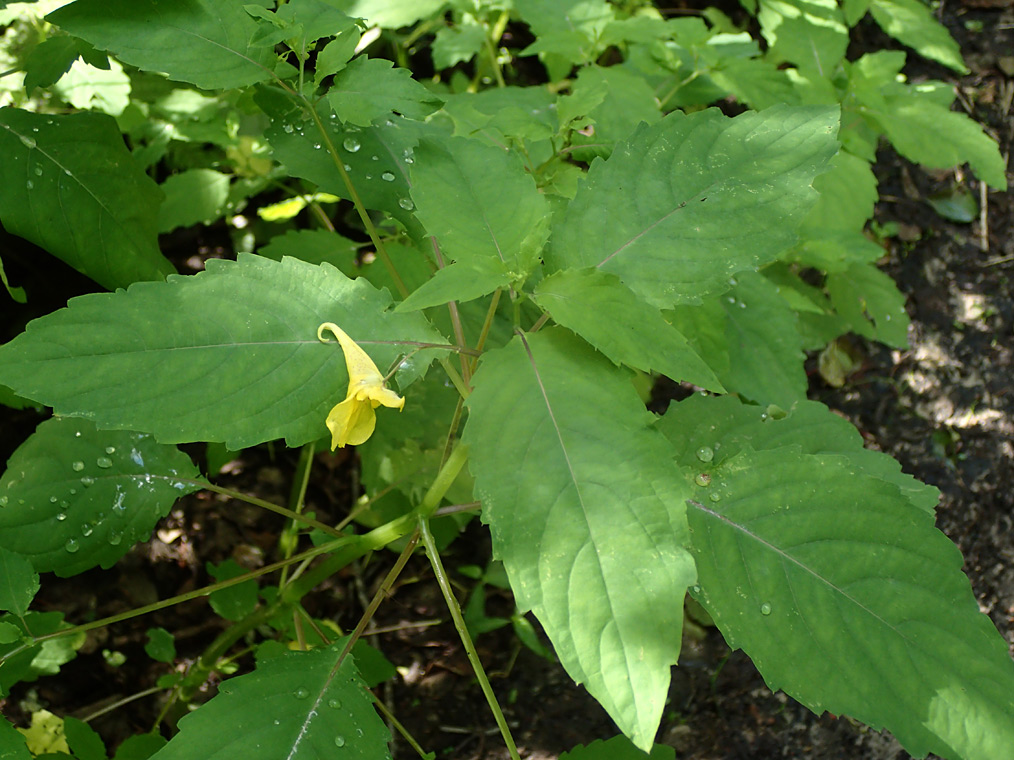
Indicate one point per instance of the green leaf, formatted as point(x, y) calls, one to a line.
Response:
point(627, 100)
point(458, 282)
point(911, 22)
point(336, 54)
point(809, 33)
point(599, 308)
point(192, 197)
point(301, 706)
point(368, 89)
point(205, 42)
point(74, 497)
point(69, 185)
point(850, 600)
point(927, 133)
point(848, 192)
point(392, 14)
point(696, 198)
point(83, 741)
point(473, 218)
point(584, 510)
point(161, 645)
point(871, 303)
point(139, 747)
point(42, 659)
point(378, 158)
point(12, 743)
point(315, 247)
point(454, 44)
point(17, 294)
point(230, 354)
point(233, 602)
point(18, 582)
point(50, 60)
point(93, 89)
point(617, 748)
point(714, 429)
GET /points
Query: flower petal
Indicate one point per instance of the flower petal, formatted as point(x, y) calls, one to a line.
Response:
point(351, 423)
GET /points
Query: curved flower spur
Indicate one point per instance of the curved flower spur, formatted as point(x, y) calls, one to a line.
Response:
point(353, 420)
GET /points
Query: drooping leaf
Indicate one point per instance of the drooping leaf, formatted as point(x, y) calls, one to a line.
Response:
point(471, 217)
point(18, 582)
point(714, 429)
point(205, 42)
point(74, 497)
point(599, 308)
point(586, 517)
point(369, 89)
point(16, 293)
point(617, 748)
point(50, 60)
point(809, 33)
point(848, 191)
point(626, 101)
point(69, 185)
point(850, 600)
point(301, 706)
point(43, 659)
point(912, 22)
point(696, 198)
point(230, 354)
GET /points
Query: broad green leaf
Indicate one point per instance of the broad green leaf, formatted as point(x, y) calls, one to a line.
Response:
point(848, 191)
point(369, 89)
point(300, 706)
point(83, 740)
point(18, 582)
point(809, 33)
point(714, 429)
point(454, 44)
point(378, 158)
point(871, 303)
point(336, 54)
point(315, 19)
point(88, 88)
point(479, 203)
point(192, 197)
point(617, 748)
point(161, 645)
point(50, 60)
point(139, 747)
point(12, 743)
point(756, 81)
point(42, 659)
point(74, 497)
point(391, 14)
point(584, 510)
point(599, 308)
point(912, 22)
point(569, 29)
point(69, 185)
point(696, 198)
point(927, 133)
point(854, 10)
point(233, 602)
point(230, 354)
point(314, 247)
point(205, 42)
point(458, 282)
point(850, 600)
point(626, 101)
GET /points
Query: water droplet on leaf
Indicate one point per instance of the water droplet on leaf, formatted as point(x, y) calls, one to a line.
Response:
point(703, 479)
point(351, 144)
point(301, 693)
point(115, 538)
point(406, 203)
point(715, 496)
point(86, 481)
point(72, 545)
point(28, 142)
point(705, 453)
point(38, 171)
point(52, 500)
point(110, 449)
point(3, 501)
point(77, 466)
point(387, 177)
point(104, 462)
point(62, 516)
point(765, 609)
point(339, 741)
point(334, 702)
point(87, 530)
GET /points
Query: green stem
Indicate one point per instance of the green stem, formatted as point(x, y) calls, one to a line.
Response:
point(388, 715)
point(296, 497)
point(455, 378)
point(466, 640)
point(294, 516)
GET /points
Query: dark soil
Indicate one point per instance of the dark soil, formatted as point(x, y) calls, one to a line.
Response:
point(944, 408)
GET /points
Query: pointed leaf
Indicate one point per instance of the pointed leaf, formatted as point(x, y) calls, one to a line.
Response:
point(603, 311)
point(230, 354)
point(12, 743)
point(870, 302)
point(205, 42)
point(583, 509)
point(810, 33)
point(298, 706)
point(472, 217)
point(18, 581)
point(74, 497)
point(850, 600)
point(912, 22)
point(368, 89)
point(714, 429)
point(43, 659)
point(69, 185)
point(695, 198)
point(458, 282)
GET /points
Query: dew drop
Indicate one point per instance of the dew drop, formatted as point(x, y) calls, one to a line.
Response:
point(276, 722)
point(715, 496)
point(369, 176)
point(351, 144)
point(3, 501)
point(703, 479)
point(287, 128)
point(87, 530)
point(64, 504)
point(339, 741)
point(77, 466)
point(28, 142)
point(765, 609)
point(110, 449)
point(53, 500)
point(695, 589)
point(347, 168)
point(387, 177)
point(374, 158)
point(301, 693)
point(62, 516)
point(86, 481)
point(77, 434)
point(73, 491)
point(38, 171)
point(29, 184)
point(406, 203)
point(334, 702)
point(409, 160)
point(115, 538)
point(316, 146)
point(72, 545)
point(104, 462)
point(705, 453)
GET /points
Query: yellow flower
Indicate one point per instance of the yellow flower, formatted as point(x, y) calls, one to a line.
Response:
point(353, 420)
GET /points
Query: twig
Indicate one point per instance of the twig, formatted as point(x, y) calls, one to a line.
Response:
point(983, 217)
